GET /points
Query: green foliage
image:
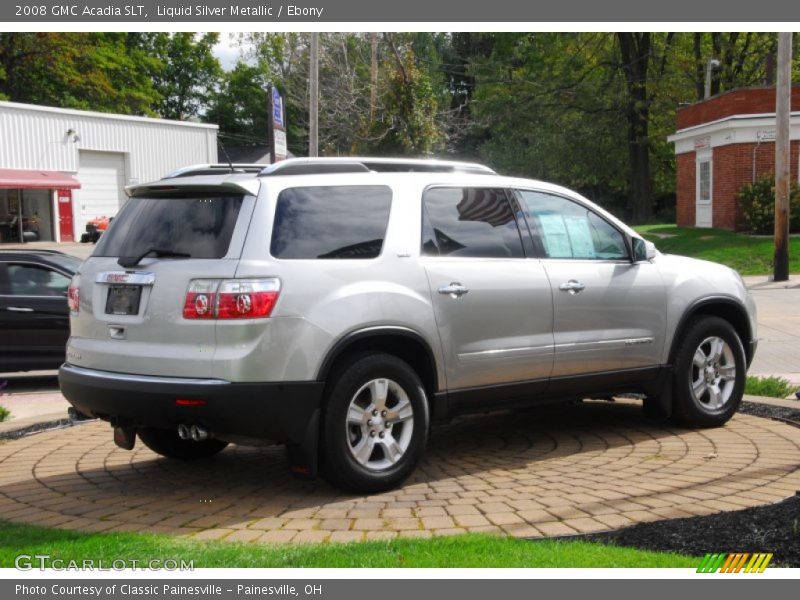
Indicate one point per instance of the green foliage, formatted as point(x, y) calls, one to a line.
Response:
point(771, 387)
point(757, 201)
point(91, 71)
point(5, 414)
point(464, 551)
point(186, 71)
point(239, 106)
point(411, 108)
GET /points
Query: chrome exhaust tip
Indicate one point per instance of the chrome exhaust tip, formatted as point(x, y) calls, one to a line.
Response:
point(183, 432)
point(199, 434)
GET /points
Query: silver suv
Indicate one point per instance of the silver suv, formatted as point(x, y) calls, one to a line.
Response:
point(339, 306)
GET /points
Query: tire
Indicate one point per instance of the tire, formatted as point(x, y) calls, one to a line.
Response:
point(710, 373)
point(375, 424)
point(167, 443)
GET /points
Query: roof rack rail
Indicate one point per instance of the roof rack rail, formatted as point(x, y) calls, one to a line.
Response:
point(318, 166)
point(215, 169)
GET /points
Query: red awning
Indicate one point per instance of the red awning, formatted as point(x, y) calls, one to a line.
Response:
point(37, 180)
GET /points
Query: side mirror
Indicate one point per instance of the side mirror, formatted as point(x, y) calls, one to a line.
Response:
point(643, 250)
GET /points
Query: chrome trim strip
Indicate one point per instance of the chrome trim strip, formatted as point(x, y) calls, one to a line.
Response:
point(134, 278)
point(108, 375)
point(621, 341)
point(504, 351)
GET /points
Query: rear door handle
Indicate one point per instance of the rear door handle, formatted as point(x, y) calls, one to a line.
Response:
point(24, 309)
point(572, 286)
point(454, 290)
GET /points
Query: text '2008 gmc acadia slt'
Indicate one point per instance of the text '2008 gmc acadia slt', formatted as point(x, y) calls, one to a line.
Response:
point(338, 306)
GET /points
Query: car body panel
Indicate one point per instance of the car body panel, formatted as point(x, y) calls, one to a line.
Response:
point(515, 330)
point(34, 328)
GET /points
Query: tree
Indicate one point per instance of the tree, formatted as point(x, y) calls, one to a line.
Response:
point(239, 106)
point(186, 71)
point(92, 71)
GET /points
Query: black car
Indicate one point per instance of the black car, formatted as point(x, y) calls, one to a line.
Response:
point(34, 316)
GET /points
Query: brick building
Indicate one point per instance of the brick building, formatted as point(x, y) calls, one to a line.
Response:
point(722, 144)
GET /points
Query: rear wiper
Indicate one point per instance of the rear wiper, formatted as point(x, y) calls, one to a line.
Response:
point(132, 261)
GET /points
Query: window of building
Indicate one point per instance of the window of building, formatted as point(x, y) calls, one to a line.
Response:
point(704, 181)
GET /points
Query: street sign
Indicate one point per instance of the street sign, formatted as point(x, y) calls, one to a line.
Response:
point(277, 108)
point(280, 145)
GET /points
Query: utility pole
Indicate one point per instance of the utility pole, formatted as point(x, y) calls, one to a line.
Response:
point(313, 113)
point(783, 102)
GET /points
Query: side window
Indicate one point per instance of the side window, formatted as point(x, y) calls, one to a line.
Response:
point(567, 229)
point(331, 222)
point(32, 280)
point(469, 222)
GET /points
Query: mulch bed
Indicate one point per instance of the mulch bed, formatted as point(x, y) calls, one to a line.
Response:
point(773, 528)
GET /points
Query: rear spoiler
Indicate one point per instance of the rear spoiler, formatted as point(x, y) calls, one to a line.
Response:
point(244, 185)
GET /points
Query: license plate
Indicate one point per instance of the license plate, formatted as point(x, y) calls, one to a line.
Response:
point(123, 299)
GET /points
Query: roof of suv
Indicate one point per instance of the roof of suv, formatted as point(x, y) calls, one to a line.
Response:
point(244, 177)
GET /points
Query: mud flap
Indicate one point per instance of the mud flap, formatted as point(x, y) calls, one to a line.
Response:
point(303, 458)
point(658, 403)
point(125, 437)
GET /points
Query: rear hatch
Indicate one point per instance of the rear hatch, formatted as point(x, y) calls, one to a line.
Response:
point(163, 245)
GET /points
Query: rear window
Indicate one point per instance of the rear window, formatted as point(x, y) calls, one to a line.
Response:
point(331, 222)
point(199, 226)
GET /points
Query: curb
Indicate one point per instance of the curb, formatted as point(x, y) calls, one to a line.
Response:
point(25, 429)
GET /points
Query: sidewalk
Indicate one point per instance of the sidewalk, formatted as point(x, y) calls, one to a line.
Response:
point(764, 282)
point(31, 410)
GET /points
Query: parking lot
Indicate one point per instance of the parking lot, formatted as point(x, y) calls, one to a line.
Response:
point(535, 473)
point(583, 468)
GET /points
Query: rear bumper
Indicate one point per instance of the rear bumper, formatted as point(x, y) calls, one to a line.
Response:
point(279, 412)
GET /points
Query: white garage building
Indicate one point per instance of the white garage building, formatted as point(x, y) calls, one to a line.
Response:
point(60, 168)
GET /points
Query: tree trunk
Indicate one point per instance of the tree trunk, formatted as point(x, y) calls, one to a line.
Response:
point(635, 50)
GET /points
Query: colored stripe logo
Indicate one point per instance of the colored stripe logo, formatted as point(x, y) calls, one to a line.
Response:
point(739, 562)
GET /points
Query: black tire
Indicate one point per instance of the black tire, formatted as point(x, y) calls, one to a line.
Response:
point(337, 461)
point(167, 443)
point(688, 409)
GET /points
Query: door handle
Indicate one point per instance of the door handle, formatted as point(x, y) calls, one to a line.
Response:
point(572, 286)
point(454, 290)
point(19, 309)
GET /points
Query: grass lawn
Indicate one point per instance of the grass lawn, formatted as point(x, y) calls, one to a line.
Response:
point(747, 254)
point(471, 550)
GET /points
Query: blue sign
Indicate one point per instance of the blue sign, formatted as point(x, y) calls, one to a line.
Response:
point(277, 108)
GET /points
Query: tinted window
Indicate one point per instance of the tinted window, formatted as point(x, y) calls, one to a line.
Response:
point(331, 222)
point(470, 222)
point(31, 280)
point(566, 229)
point(200, 226)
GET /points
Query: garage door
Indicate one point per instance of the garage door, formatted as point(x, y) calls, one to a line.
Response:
point(102, 177)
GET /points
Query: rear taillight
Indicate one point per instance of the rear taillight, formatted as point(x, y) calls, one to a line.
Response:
point(231, 298)
point(74, 295)
point(247, 299)
point(201, 298)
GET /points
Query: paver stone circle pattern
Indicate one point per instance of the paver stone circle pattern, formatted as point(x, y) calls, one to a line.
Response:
point(533, 473)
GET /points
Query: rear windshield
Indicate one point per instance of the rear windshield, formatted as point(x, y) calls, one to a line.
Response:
point(199, 226)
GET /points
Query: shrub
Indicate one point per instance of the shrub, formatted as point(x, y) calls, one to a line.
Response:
point(758, 205)
point(4, 413)
point(772, 387)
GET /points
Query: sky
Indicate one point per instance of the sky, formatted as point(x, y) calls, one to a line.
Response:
point(226, 52)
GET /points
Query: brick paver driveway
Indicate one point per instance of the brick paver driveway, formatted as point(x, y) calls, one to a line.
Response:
point(534, 473)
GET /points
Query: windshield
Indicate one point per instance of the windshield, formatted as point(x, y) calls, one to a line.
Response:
point(199, 226)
